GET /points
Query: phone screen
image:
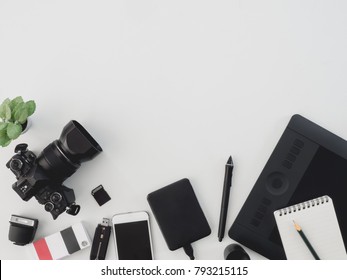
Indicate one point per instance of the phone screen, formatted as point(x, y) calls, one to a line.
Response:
point(133, 241)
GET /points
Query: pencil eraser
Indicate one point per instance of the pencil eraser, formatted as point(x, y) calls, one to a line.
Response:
point(61, 244)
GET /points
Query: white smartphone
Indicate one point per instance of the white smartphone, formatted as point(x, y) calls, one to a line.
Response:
point(132, 236)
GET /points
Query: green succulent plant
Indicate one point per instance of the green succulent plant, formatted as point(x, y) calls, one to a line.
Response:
point(13, 114)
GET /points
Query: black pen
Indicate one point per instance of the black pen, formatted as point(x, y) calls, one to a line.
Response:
point(225, 198)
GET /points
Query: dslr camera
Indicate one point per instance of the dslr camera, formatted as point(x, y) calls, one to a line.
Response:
point(42, 176)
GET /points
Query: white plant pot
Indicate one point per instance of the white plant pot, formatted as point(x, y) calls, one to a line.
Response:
point(26, 125)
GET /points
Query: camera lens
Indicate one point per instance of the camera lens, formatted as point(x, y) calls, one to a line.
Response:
point(16, 164)
point(63, 157)
point(56, 197)
point(49, 206)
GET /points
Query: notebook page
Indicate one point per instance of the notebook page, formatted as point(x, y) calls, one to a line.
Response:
point(320, 225)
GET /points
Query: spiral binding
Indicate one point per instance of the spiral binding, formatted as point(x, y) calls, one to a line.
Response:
point(302, 206)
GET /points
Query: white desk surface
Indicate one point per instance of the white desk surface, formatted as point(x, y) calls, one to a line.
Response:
point(169, 89)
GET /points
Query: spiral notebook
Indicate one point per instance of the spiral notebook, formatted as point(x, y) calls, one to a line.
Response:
point(318, 221)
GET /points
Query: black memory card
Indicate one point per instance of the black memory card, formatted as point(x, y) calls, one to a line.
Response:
point(100, 195)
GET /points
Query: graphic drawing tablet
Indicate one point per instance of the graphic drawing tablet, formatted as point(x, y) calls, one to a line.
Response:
point(307, 162)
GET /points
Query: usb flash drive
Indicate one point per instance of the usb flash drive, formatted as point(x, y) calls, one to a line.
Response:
point(100, 241)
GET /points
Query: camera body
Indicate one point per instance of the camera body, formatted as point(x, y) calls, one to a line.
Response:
point(32, 180)
point(42, 176)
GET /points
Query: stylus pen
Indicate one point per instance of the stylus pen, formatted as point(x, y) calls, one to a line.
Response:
point(307, 243)
point(225, 198)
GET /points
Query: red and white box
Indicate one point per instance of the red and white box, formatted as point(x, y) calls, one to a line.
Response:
point(61, 244)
